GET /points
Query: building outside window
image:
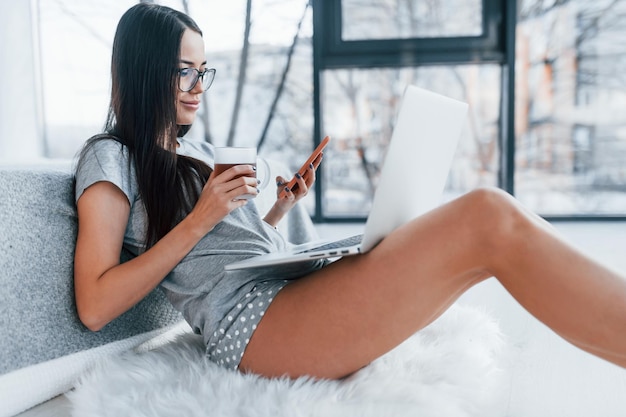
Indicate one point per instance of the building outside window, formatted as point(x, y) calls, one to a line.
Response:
point(570, 96)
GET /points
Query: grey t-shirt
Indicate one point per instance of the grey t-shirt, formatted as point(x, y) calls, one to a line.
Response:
point(199, 286)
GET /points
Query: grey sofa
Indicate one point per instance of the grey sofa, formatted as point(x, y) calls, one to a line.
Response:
point(43, 345)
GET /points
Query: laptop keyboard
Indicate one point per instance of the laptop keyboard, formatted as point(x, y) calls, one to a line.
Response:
point(342, 243)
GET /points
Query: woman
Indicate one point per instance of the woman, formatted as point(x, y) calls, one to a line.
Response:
point(145, 191)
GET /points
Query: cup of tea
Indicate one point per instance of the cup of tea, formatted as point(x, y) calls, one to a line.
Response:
point(229, 156)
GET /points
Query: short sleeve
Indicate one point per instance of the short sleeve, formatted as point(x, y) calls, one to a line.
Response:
point(106, 160)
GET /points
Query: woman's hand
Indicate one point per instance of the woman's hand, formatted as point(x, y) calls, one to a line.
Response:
point(222, 194)
point(287, 200)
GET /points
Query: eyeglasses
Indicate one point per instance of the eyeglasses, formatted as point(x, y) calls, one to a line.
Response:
point(188, 77)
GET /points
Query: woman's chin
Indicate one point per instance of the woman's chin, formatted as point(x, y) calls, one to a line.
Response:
point(185, 120)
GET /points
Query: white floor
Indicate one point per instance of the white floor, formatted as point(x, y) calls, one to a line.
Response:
point(546, 376)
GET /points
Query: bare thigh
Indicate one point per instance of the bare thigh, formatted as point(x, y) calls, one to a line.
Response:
point(339, 319)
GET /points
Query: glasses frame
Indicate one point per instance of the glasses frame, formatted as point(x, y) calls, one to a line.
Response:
point(198, 76)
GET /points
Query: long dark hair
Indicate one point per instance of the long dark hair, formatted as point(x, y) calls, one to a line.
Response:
point(142, 113)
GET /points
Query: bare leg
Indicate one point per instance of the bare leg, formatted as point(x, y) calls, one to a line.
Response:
point(342, 317)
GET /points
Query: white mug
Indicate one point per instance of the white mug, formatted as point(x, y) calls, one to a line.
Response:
point(227, 157)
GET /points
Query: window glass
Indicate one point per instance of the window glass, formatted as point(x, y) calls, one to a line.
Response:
point(75, 48)
point(570, 101)
point(401, 19)
point(360, 107)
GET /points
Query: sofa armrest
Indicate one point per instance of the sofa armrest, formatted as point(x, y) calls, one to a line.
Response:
point(38, 320)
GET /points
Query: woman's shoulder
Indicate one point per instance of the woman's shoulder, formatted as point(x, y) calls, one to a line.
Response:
point(101, 148)
point(105, 143)
point(105, 158)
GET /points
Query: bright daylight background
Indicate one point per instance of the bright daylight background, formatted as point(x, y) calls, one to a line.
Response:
point(570, 91)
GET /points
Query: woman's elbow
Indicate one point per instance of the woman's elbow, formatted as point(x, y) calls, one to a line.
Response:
point(90, 317)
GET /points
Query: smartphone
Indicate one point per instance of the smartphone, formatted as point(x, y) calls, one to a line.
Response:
point(293, 185)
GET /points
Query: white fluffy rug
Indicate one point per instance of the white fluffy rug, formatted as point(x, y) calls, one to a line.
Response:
point(448, 369)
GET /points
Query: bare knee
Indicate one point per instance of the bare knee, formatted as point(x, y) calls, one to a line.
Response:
point(498, 219)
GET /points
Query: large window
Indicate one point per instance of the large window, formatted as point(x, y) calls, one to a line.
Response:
point(544, 81)
point(367, 53)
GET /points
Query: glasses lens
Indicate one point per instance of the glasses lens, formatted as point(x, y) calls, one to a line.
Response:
point(207, 78)
point(187, 78)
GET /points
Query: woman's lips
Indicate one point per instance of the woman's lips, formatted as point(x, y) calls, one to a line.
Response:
point(191, 105)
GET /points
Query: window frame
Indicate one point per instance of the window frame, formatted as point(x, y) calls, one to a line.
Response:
point(495, 45)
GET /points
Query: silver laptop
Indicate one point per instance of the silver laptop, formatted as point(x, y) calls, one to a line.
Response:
point(411, 183)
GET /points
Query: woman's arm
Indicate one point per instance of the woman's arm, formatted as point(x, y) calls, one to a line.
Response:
point(104, 288)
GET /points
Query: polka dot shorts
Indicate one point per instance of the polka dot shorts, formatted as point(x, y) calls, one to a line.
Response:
point(229, 341)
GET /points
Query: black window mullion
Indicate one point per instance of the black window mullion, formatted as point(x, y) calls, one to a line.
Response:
point(411, 59)
point(506, 178)
point(319, 41)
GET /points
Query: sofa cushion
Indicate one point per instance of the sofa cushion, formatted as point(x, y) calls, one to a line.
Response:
point(38, 320)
